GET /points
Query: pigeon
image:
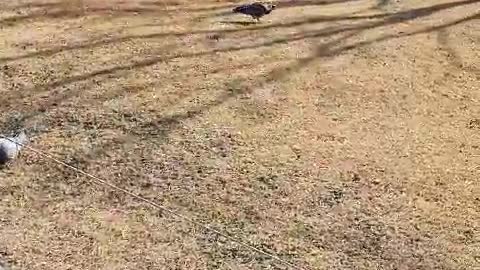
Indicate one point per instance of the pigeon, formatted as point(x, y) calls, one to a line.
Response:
point(256, 10)
point(10, 147)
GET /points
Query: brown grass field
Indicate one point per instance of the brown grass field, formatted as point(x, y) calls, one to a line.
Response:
point(334, 134)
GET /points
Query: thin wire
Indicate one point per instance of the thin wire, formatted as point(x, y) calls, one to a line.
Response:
point(156, 205)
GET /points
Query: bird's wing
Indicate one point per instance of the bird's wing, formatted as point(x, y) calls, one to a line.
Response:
point(252, 9)
point(260, 7)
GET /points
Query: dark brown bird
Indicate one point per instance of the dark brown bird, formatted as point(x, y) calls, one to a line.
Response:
point(256, 10)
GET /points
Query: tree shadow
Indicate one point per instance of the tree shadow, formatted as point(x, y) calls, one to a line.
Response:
point(39, 106)
point(161, 127)
point(327, 49)
point(384, 19)
point(106, 41)
point(179, 7)
point(303, 3)
point(241, 23)
point(453, 56)
point(329, 31)
point(333, 52)
point(382, 3)
point(60, 10)
point(216, 7)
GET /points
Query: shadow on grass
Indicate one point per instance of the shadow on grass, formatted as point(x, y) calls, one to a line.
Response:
point(382, 3)
point(241, 23)
point(328, 49)
point(398, 18)
point(454, 58)
point(382, 19)
point(163, 125)
point(216, 7)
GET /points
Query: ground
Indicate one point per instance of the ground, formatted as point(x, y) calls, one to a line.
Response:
point(334, 134)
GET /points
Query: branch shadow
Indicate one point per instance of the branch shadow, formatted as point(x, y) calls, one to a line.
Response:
point(396, 18)
point(178, 6)
point(282, 4)
point(162, 126)
point(71, 13)
point(329, 49)
point(303, 3)
point(384, 20)
point(101, 42)
point(453, 56)
point(60, 10)
point(329, 52)
point(241, 23)
point(382, 3)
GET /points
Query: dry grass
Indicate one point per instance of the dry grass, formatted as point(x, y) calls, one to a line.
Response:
point(338, 134)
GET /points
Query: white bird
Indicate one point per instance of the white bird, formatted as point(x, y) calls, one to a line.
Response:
point(11, 146)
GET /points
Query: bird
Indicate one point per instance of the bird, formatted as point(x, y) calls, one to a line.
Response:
point(256, 10)
point(10, 147)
